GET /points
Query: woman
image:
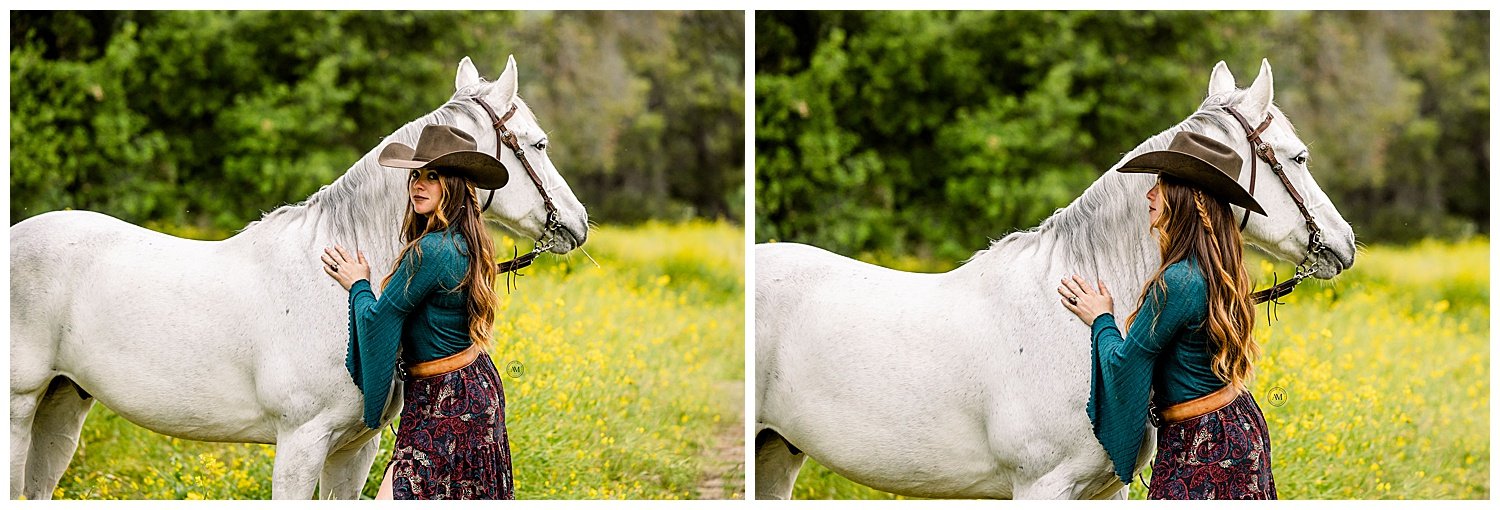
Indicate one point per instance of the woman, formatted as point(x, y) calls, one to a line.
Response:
point(1190, 341)
point(437, 308)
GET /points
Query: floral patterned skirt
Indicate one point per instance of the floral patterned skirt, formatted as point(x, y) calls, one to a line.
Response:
point(1225, 454)
point(452, 442)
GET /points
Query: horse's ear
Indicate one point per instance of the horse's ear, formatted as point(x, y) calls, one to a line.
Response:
point(1220, 81)
point(467, 74)
point(505, 85)
point(1258, 97)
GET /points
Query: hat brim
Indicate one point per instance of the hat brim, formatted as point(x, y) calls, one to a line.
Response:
point(1195, 170)
point(483, 169)
point(398, 155)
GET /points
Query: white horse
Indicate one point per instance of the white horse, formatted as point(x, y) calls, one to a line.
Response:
point(240, 340)
point(973, 383)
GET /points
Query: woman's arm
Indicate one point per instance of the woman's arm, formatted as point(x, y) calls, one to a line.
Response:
point(1122, 365)
point(375, 325)
point(1166, 309)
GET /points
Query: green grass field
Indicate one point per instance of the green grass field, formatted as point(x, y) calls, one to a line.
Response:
point(1385, 371)
point(630, 371)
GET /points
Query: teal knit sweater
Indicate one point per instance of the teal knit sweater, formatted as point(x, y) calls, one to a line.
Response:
point(1167, 349)
point(422, 312)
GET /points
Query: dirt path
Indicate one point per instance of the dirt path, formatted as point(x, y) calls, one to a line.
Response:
point(724, 475)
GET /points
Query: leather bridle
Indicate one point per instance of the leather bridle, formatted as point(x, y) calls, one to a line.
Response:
point(507, 138)
point(1315, 246)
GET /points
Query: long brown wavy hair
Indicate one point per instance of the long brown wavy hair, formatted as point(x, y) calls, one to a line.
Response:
point(1193, 224)
point(459, 206)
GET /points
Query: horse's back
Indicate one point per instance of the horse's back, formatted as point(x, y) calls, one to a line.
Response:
point(60, 256)
point(60, 232)
point(786, 274)
point(60, 243)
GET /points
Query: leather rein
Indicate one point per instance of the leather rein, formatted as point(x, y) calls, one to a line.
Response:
point(504, 137)
point(1315, 245)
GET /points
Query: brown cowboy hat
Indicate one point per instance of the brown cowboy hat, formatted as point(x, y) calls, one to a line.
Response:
point(1202, 161)
point(449, 150)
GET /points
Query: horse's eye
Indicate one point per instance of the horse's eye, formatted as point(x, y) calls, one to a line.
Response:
point(541, 146)
point(1300, 159)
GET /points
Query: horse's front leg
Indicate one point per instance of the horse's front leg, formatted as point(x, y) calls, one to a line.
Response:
point(300, 455)
point(346, 471)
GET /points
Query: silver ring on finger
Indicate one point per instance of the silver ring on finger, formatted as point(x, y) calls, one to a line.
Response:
point(335, 268)
point(1072, 300)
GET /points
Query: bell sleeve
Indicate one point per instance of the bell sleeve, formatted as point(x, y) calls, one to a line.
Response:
point(376, 324)
point(1123, 365)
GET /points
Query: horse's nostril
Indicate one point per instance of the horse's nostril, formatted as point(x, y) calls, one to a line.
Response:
point(1338, 259)
point(579, 235)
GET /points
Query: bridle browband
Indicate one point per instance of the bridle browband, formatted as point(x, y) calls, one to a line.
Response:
point(506, 138)
point(1261, 150)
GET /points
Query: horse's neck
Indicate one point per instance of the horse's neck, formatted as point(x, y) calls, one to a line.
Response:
point(362, 210)
point(1102, 235)
point(1105, 235)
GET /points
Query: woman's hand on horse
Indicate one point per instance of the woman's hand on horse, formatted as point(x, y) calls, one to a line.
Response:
point(1084, 302)
point(343, 268)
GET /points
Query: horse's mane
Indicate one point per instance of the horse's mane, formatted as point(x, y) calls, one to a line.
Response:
point(339, 201)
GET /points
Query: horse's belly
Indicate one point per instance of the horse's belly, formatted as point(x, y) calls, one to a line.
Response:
point(184, 407)
point(188, 373)
point(224, 368)
point(897, 422)
point(854, 390)
point(927, 408)
point(940, 454)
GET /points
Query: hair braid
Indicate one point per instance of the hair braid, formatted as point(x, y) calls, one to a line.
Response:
point(1230, 316)
point(1233, 361)
point(1208, 223)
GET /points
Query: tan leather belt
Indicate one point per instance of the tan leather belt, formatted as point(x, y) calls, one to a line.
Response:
point(442, 366)
point(1195, 407)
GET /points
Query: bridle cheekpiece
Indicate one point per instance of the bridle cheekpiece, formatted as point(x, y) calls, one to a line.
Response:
point(1262, 151)
point(504, 137)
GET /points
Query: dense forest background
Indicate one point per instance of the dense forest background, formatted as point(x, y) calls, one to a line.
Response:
point(926, 133)
point(208, 118)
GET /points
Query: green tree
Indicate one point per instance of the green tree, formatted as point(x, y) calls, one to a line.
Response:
point(647, 108)
point(209, 118)
point(1395, 105)
point(928, 132)
point(924, 133)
